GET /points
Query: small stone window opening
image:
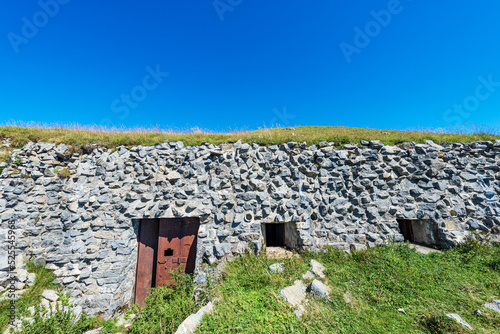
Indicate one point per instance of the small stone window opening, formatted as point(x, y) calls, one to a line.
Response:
point(283, 235)
point(418, 231)
point(275, 235)
point(169, 252)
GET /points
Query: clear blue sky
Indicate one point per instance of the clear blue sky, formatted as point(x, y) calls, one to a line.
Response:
point(233, 64)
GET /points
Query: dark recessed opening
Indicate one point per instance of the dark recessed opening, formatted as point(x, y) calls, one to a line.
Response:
point(275, 235)
point(169, 252)
point(406, 228)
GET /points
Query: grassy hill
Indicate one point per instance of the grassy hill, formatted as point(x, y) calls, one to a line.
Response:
point(378, 281)
point(310, 134)
point(367, 289)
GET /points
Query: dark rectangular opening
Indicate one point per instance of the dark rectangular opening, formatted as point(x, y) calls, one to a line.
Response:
point(418, 231)
point(406, 228)
point(275, 235)
point(169, 252)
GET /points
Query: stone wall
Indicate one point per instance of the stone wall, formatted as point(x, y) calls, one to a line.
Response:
point(85, 227)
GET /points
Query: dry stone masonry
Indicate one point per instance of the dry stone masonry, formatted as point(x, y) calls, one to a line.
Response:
point(85, 226)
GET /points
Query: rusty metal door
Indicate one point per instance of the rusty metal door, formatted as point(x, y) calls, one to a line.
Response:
point(176, 248)
point(146, 259)
point(164, 245)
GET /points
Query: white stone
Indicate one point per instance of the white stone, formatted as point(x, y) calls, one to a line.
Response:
point(459, 320)
point(308, 275)
point(295, 294)
point(494, 305)
point(277, 267)
point(299, 311)
point(347, 297)
point(73, 207)
point(173, 176)
point(50, 295)
point(45, 303)
point(95, 331)
point(31, 279)
point(189, 325)
point(320, 289)
point(22, 276)
point(317, 268)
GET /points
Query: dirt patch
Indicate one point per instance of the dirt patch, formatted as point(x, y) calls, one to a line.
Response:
point(280, 253)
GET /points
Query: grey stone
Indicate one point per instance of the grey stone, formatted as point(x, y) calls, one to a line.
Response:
point(245, 147)
point(86, 169)
point(400, 310)
point(458, 319)
point(221, 250)
point(30, 279)
point(173, 176)
point(22, 276)
point(277, 267)
point(318, 288)
point(375, 144)
point(473, 223)
point(77, 312)
point(317, 268)
point(103, 198)
point(308, 275)
point(50, 295)
point(494, 305)
point(295, 294)
point(95, 331)
point(189, 325)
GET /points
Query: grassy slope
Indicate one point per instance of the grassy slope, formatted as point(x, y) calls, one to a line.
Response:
point(33, 296)
point(310, 134)
point(379, 280)
point(44, 280)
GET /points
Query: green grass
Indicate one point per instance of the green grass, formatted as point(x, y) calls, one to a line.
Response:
point(380, 281)
point(165, 308)
point(80, 139)
point(33, 296)
point(62, 321)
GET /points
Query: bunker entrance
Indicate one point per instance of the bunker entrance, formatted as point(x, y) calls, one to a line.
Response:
point(164, 245)
point(275, 235)
point(417, 231)
point(280, 235)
